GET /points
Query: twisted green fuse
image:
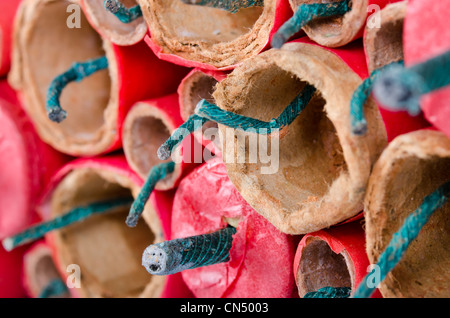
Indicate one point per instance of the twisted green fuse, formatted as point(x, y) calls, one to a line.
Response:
point(399, 88)
point(76, 73)
point(158, 173)
point(330, 292)
point(76, 215)
point(407, 233)
point(177, 255)
point(232, 6)
point(124, 14)
point(206, 111)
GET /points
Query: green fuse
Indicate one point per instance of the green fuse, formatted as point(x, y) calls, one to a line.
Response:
point(124, 14)
point(360, 97)
point(330, 292)
point(76, 73)
point(75, 215)
point(177, 255)
point(158, 173)
point(232, 6)
point(206, 111)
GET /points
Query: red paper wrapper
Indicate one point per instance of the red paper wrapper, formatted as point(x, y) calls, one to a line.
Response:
point(142, 76)
point(8, 9)
point(347, 242)
point(426, 35)
point(261, 257)
point(27, 165)
point(10, 273)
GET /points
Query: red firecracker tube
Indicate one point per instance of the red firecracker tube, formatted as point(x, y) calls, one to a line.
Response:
point(333, 257)
point(97, 106)
point(319, 145)
point(110, 27)
point(89, 180)
point(27, 165)
point(208, 39)
point(261, 257)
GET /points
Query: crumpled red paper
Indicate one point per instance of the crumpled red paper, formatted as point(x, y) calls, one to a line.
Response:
point(261, 257)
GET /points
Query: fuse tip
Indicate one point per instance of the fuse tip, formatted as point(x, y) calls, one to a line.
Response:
point(154, 260)
point(112, 6)
point(57, 115)
point(8, 244)
point(132, 220)
point(399, 89)
point(163, 152)
point(278, 40)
